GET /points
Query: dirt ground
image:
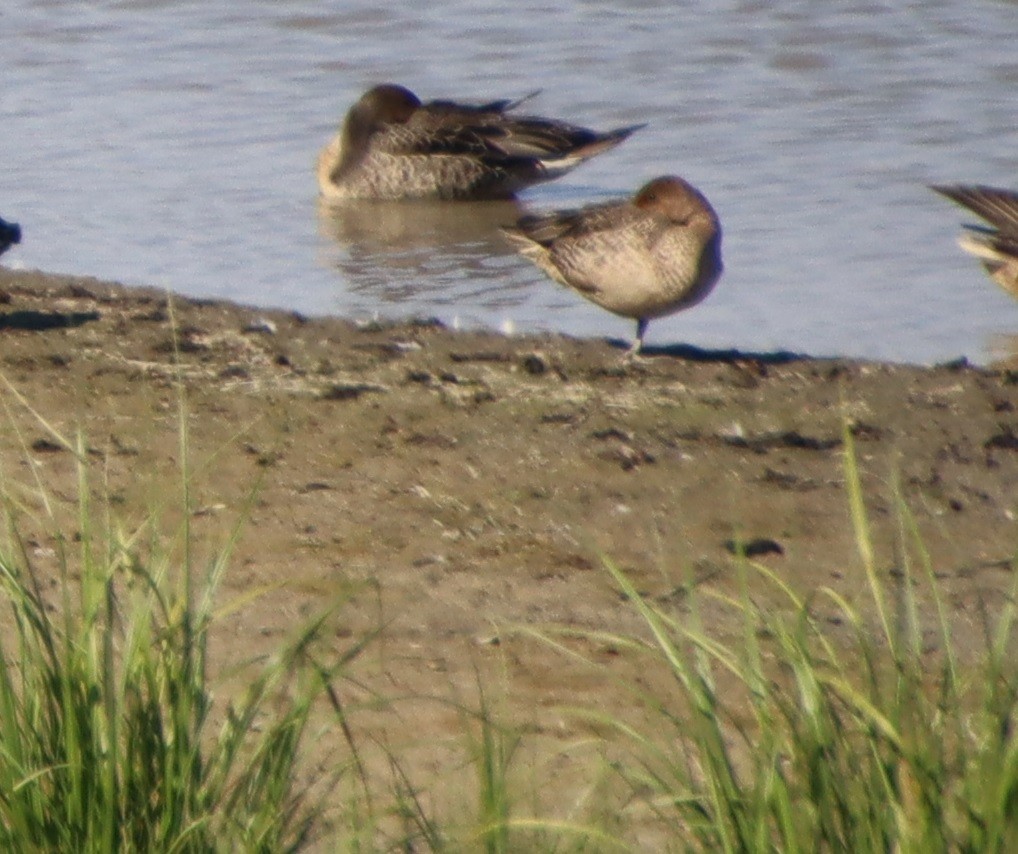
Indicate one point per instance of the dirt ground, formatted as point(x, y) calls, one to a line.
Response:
point(463, 488)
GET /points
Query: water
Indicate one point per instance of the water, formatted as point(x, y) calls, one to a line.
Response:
point(171, 143)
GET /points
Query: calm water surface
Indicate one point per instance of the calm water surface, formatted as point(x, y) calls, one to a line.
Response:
point(171, 143)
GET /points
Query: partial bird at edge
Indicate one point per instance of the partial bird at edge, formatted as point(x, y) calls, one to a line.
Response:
point(10, 233)
point(996, 245)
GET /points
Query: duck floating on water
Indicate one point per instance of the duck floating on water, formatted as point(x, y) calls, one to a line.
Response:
point(645, 257)
point(393, 146)
point(995, 245)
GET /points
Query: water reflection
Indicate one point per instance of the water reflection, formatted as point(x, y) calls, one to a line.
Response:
point(433, 252)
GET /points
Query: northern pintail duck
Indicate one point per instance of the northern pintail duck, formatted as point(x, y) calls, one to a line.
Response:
point(392, 146)
point(995, 245)
point(645, 257)
point(10, 233)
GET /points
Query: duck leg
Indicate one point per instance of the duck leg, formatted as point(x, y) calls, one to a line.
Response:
point(641, 329)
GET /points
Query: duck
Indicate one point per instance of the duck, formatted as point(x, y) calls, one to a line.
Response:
point(391, 145)
point(10, 233)
point(995, 245)
point(644, 257)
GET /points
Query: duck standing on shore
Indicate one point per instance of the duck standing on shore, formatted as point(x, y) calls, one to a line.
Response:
point(393, 146)
point(645, 257)
point(10, 233)
point(995, 245)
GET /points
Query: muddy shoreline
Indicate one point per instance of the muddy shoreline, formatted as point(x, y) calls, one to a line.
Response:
point(463, 486)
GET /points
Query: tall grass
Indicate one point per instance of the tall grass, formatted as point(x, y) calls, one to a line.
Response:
point(112, 739)
point(795, 739)
point(488, 809)
point(110, 735)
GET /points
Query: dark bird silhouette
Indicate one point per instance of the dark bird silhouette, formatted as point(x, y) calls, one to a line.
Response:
point(10, 233)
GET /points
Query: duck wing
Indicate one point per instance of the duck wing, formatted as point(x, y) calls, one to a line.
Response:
point(519, 136)
point(548, 228)
point(486, 142)
point(453, 111)
point(539, 137)
point(998, 207)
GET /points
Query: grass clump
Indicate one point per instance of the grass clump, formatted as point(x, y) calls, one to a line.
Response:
point(110, 736)
point(855, 729)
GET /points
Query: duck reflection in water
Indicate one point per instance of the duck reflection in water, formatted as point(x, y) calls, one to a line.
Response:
point(424, 253)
